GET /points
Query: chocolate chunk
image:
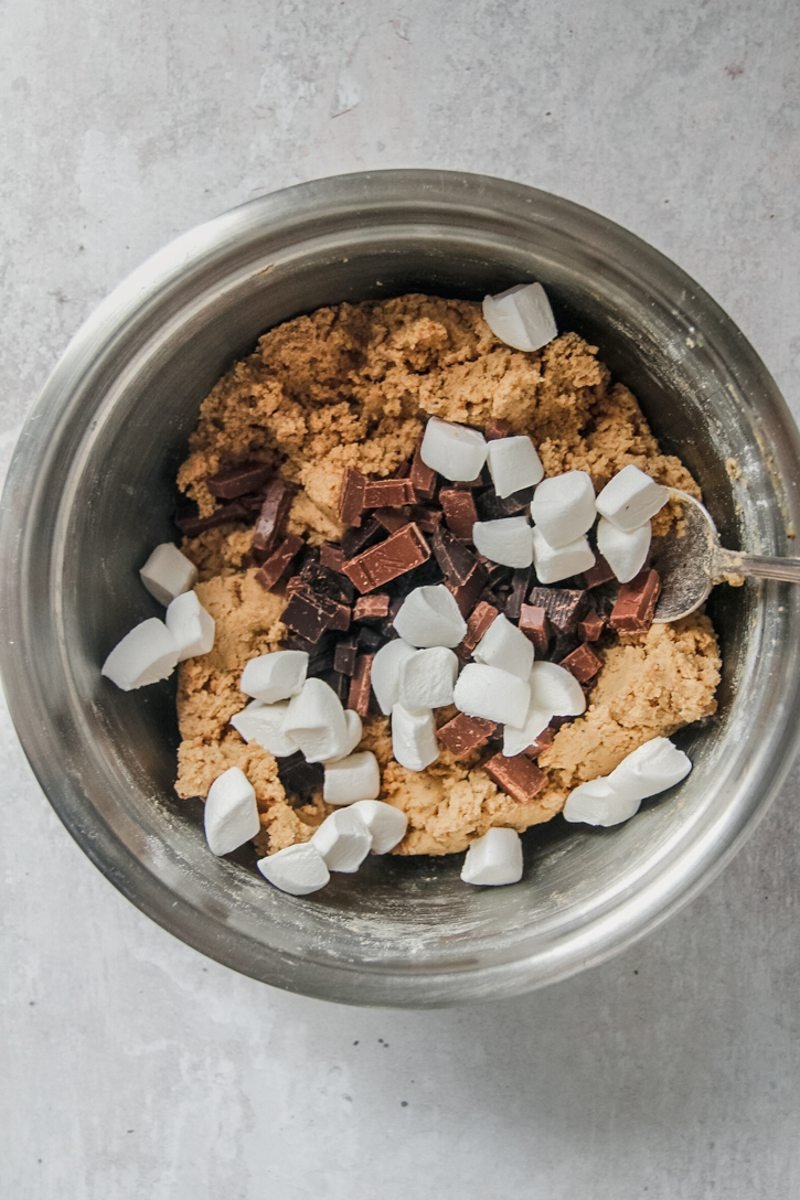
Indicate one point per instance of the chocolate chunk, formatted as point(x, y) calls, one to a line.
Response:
point(192, 524)
point(459, 510)
point(398, 554)
point(535, 624)
point(387, 493)
point(591, 626)
point(636, 603)
point(520, 582)
point(369, 639)
point(311, 614)
point(497, 428)
point(564, 606)
point(334, 679)
point(583, 663)
point(454, 559)
point(492, 507)
point(518, 776)
point(391, 519)
point(544, 740)
point(344, 658)
point(359, 695)
point(422, 478)
point(331, 556)
point(371, 608)
point(479, 620)
point(356, 539)
point(469, 485)
point(237, 481)
point(300, 779)
point(428, 519)
point(468, 593)
point(599, 574)
point(464, 734)
point(279, 562)
point(351, 497)
point(271, 519)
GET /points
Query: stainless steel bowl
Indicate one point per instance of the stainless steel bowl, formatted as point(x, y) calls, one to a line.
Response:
point(90, 492)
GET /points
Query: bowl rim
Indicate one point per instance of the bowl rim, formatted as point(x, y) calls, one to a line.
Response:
point(601, 937)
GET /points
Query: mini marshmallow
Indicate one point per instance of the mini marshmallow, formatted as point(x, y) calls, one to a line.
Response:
point(385, 677)
point(343, 840)
point(505, 647)
point(563, 507)
point(492, 694)
point(297, 870)
point(625, 551)
point(263, 724)
point(506, 541)
point(521, 316)
point(355, 729)
point(275, 676)
point(386, 824)
point(555, 690)
point(514, 465)
point(356, 777)
point(598, 803)
point(494, 859)
point(190, 625)
point(414, 743)
point(315, 720)
point(556, 563)
point(168, 573)
point(454, 451)
point(631, 498)
point(651, 768)
point(146, 655)
point(427, 678)
point(230, 815)
point(515, 741)
point(429, 616)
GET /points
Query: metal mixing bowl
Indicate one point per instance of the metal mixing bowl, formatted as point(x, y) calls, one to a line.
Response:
point(91, 491)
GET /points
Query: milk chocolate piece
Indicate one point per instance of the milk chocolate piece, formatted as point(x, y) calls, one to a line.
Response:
point(428, 519)
point(520, 581)
point(357, 538)
point(591, 626)
point(544, 740)
point(271, 519)
point(636, 603)
point(398, 554)
point(238, 480)
point(344, 658)
point(468, 593)
point(359, 695)
point(300, 779)
point(391, 519)
point(422, 478)
point(331, 556)
point(599, 574)
point(311, 614)
point(454, 559)
point(371, 608)
point(387, 493)
point(279, 562)
point(464, 734)
point(583, 663)
point(535, 624)
point(192, 524)
point(497, 428)
point(564, 606)
point(351, 497)
point(460, 513)
point(518, 776)
point(478, 622)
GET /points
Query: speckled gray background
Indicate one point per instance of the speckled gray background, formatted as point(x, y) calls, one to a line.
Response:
point(132, 1067)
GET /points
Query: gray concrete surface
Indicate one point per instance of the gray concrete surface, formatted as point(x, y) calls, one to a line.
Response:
point(132, 1067)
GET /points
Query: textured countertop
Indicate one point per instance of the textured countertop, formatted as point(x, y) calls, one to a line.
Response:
point(131, 1066)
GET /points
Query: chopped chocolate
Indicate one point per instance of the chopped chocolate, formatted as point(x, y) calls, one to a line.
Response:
point(359, 695)
point(460, 513)
point(340, 683)
point(344, 658)
point(371, 608)
point(535, 624)
point(468, 593)
point(279, 562)
point(464, 734)
point(564, 606)
point(311, 614)
point(351, 497)
point(636, 603)
point(492, 507)
point(428, 519)
point(453, 557)
point(391, 518)
point(271, 519)
point(423, 478)
point(387, 493)
point(497, 428)
point(599, 574)
point(544, 740)
point(591, 626)
point(331, 556)
point(369, 639)
point(379, 565)
point(478, 622)
point(252, 501)
point(518, 776)
point(356, 539)
point(583, 663)
point(236, 481)
point(469, 485)
point(520, 582)
point(300, 779)
point(192, 524)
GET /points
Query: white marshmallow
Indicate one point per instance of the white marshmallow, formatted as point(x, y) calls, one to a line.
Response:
point(555, 563)
point(297, 870)
point(355, 730)
point(315, 720)
point(563, 507)
point(515, 741)
point(494, 859)
point(343, 840)
point(386, 824)
point(492, 694)
point(230, 816)
point(190, 625)
point(168, 573)
point(385, 675)
point(506, 541)
point(429, 616)
point(414, 743)
point(275, 676)
point(631, 498)
point(521, 316)
point(625, 551)
point(454, 451)
point(513, 464)
point(598, 803)
point(146, 655)
point(651, 768)
point(356, 777)
point(427, 678)
point(263, 724)
point(505, 647)
point(554, 689)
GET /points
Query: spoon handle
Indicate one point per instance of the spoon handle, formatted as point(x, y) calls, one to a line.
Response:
point(756, 566)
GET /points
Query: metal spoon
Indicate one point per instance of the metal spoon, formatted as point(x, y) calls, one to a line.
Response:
point(690, 563)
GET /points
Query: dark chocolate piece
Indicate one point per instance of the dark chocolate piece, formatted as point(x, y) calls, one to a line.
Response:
point(635, 606)
point(564, 606)
point(387, 493)
point(535, 624)
point(344, 658)
point(468, 593)
point(591, 626)
point(233, 482)
point(428, 519)
point(271, 519)
point(544, 740)
point(358, 538)
point(391, 518)
point(311, 614)
point(518, 776)
point(459, 510)
point(464, 734)
point(300, 779)
point(398, 554)
point(279, 562)
point(481, 617)
point(422, 478)
point(369, 639)
point(599, 574)
point(497, 428)
point(192, 524)
point(492, 507)
point(331, 556)
point(351, 497)
point(454, 559)
point(583, 663)
point(359, 696)
point(520, 582)
point(371, 608)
